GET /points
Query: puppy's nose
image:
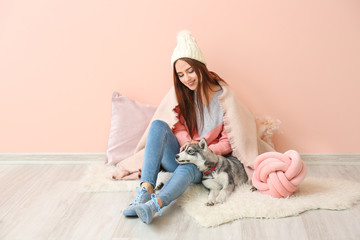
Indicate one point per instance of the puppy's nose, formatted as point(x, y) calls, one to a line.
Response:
point(177, 156)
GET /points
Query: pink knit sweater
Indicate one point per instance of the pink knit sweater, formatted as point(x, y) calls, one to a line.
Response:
point(217, 139)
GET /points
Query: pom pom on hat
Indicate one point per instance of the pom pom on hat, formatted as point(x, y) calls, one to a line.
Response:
point(187, 48)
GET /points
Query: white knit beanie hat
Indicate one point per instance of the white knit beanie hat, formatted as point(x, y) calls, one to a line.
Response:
point(187, 48)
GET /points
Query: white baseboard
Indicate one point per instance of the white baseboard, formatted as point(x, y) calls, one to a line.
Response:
point(331, 158)
point(86, 158)
point(50, 158)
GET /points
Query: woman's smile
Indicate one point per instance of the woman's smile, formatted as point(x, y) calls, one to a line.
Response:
point(191, 83)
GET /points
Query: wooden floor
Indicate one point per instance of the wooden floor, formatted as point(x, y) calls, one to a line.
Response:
point(43, 202)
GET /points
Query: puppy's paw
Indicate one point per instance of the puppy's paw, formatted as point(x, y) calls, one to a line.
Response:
point(209, 204)
point(253, 189)
point(221, 198)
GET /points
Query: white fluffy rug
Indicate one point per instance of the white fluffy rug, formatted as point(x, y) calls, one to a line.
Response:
point(313, 193)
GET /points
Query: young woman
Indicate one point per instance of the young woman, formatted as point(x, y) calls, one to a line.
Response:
point(200, 112)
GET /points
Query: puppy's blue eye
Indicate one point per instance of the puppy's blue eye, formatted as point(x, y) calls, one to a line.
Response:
point(191, 151)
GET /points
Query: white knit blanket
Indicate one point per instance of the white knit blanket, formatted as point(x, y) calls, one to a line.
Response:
point(313, 193)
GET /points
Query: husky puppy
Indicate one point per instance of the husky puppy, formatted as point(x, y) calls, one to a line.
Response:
point(221, 174)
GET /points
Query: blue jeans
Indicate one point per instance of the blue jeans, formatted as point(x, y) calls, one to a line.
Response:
point(160, 150)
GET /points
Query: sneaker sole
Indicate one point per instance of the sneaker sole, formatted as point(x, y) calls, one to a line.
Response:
point(144, 213)
point(130, 213)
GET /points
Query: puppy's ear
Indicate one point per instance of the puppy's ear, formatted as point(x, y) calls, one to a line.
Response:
point(203, 143)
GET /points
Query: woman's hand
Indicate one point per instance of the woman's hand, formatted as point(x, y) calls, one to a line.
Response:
point(188, 143)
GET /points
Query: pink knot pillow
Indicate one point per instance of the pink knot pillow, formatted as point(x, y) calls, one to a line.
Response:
point(278, 174)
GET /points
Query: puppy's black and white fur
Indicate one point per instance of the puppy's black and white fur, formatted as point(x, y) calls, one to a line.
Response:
point(221, 174)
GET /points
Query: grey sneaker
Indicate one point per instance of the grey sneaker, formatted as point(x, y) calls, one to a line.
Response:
point(142, 197)
point(147, 211)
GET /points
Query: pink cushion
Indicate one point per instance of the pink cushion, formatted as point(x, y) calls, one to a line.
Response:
point(129, 121)
point(278, 174)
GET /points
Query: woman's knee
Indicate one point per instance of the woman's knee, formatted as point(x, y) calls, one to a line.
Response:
point(159, 124)
point(190, 170)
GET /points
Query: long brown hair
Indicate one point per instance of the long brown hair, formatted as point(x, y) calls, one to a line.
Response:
point(186, 97)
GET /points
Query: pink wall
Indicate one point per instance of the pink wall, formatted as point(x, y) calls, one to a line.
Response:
point(60, 61)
